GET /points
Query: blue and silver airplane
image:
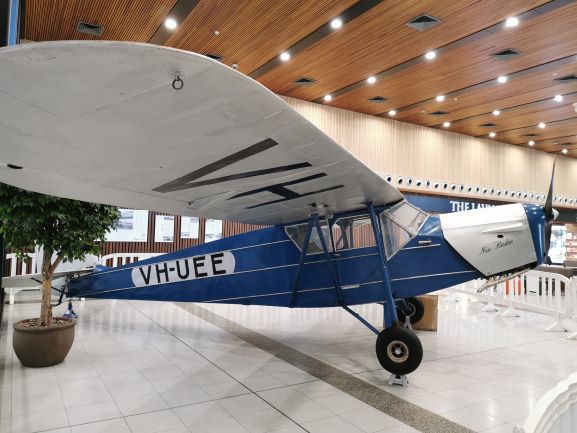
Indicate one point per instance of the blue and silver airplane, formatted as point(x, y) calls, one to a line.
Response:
point(149, 127)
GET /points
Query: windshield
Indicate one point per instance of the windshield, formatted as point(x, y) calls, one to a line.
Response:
point(400, 224)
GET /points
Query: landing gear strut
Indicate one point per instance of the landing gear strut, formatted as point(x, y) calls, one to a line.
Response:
point(413, 308)
point(399, 350)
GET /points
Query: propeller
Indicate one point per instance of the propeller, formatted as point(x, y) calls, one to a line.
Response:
point(549, 211)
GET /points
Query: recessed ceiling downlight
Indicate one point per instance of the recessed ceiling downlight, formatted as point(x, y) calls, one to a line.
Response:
point(337, 23)
point(512, 22)
point(170, 23)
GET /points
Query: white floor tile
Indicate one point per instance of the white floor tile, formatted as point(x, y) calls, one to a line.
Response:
point(92, 413)
point(138, 405)
point(39, 421)
point(341, 403)
point(201, 412)
point(183, 397)
point(333, 424)
point(242, 404)
point(263, 420)
point(370, 420)
point(86, 397)
point(435, 403)
point(472, 419)
point(154, 422)
point(109, 426)
point(303, 411)
point(226, 425)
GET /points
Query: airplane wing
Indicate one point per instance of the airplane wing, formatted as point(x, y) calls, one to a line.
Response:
point(35, 280)
point(102, 122)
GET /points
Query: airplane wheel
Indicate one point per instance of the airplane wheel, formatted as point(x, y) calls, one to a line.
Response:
point(399, 350)
point(416, 308)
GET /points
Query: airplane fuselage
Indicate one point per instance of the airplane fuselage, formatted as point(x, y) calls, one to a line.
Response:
point(259, 267)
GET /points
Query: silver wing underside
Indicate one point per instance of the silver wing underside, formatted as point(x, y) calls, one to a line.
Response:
point(101, 122)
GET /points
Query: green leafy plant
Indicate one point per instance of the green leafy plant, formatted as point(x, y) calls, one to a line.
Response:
point(69, 228)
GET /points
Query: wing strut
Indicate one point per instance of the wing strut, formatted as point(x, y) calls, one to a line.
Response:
point(314, 224)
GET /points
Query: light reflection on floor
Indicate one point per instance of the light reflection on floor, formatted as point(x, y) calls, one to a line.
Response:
point(127, 372)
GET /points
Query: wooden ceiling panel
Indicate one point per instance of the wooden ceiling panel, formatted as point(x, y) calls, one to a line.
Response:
point(546, 111)
point(251, 32)
point(557, 144)
point(560, 128)
point(523, 90)
point(540, 40)
point(379, 39)
point(51, 20)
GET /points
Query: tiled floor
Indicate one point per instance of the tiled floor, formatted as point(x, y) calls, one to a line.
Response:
point(154, 367)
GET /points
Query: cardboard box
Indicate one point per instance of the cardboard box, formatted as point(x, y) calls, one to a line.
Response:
point(429, 320)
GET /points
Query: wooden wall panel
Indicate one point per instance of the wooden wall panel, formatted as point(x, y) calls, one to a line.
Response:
point(398, 148)
point(229, 228)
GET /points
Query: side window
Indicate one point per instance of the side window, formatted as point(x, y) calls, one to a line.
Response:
point(353, 232)
point(297, 234)
point(394, 236)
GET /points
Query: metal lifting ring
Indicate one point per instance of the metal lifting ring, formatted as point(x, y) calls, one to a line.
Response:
point(177, 83)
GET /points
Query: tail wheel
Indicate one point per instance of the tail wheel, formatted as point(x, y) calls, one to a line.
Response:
point(416, 310)
point(399, 350)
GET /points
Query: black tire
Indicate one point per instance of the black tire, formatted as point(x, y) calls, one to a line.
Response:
point(416, 308)
point(399, 350)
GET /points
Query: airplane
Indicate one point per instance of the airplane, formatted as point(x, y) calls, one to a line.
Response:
point(149, 127)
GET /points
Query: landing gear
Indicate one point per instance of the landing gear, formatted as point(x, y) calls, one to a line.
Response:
point(414, 310)
point(399, 350)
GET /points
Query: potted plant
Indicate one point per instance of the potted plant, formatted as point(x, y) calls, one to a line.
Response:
point(66, 230)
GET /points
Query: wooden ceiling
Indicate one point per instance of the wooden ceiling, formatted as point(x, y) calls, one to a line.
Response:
point(374, 40)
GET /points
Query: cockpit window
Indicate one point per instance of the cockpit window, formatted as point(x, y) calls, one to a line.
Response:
point(400, 224)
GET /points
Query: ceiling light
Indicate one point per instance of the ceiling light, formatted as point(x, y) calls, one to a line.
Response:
point(371, 80)
point(512, 22)
point(531, 143)
point(496, 112)
point(558, 98)
point(328, 98)
point(564, 151)
point(285, 56)
point(446, 124)
point(492, 134)
point(337, 23)
point(430, 55)
point(392, 112)
point(502, 79)
point(541, 125)
point(170, 24)
point(440, 98)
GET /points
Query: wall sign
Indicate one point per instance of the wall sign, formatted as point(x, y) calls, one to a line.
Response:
point(164, 228)
point(189, 227)
point(131, 227)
